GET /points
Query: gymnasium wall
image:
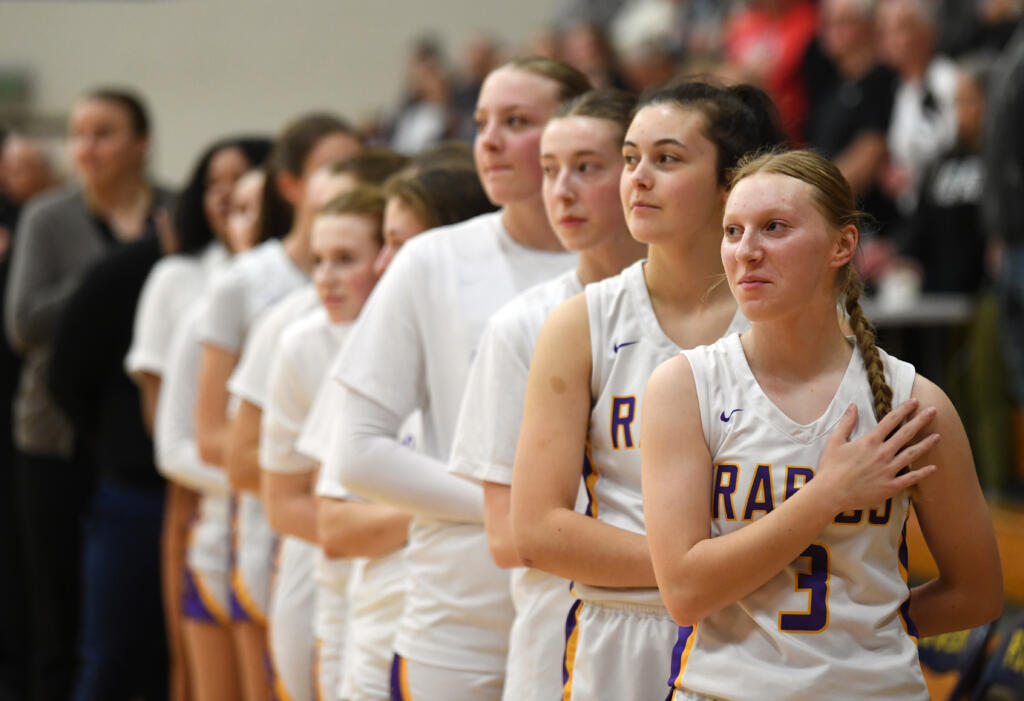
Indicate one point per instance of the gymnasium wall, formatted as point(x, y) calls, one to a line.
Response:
point(214, 66)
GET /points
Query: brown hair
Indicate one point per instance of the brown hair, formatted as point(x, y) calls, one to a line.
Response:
point(740, 119)
point(610, 104)
point(372, 166)
point(128, 100)
point(570, 81)
point(296, 141)
point(365, 201)
point(440, 196)
point(832, 196)
point(446, 154)
point(300, 137)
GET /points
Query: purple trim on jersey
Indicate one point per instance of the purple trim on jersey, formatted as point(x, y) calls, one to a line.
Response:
point(192, 605)
point(588, 470)
point(238, 612)
point(904, 555)
point(677, 658)
point(268, 669)
point(571, 621)
point(396, 678)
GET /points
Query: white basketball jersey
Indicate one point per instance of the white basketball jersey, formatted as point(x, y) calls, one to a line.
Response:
point(626, 345)
point(834, 623)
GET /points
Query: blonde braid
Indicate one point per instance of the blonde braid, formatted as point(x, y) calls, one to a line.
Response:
point(864, 333)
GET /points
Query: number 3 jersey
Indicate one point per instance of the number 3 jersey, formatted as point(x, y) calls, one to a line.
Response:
point(834, 624)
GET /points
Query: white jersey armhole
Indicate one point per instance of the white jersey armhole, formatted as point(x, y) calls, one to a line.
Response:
point(699, 366)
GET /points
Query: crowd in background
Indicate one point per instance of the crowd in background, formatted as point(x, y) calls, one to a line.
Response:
point(918, 102)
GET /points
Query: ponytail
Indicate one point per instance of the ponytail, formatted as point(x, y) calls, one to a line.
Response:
point(864, 335)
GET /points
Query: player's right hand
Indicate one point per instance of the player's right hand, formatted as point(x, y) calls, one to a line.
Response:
point(864, 472)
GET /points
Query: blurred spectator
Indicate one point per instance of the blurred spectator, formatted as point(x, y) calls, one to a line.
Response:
point(923, 124)
point(700, 24)
point(643, 22)
point(24, 173)
point(6, 206)
point(765, 44)
point(479, 57)
point(425, 117)
point(13, 597)
point(27, 169)
point(544, 43)
point(851, 101)
point(585, 47)
point(649, 64)
point(59, 236)
point(945, 235)
point(123, 648)
point(971, 25)
point(947, 242)
point(1004, 211)
point(597, 12)
point(691, 29)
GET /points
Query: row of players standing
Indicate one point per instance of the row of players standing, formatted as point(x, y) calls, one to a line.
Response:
point(411, 354)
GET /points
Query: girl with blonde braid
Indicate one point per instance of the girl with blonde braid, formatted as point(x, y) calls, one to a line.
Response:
point(779, 466)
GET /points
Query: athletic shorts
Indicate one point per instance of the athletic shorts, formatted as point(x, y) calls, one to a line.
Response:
point(536, 642)
point(207, 592)
point(290, 628)
point(415, 681)
point(617, 651)
point(253, 554)
point(330, 624)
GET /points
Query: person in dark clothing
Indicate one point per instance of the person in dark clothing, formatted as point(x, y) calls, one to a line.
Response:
point(945, 235)
point(13, 595)
point(851, 101)
point(123, 653)
point(967, 27)
point(1003, 208)
point(24, 173)
point(59, 235)
point(947, 242)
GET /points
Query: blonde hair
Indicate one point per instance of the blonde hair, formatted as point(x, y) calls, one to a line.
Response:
point(832, 197)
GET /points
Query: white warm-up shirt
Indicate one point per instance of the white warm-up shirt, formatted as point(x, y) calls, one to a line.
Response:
point(171, 289)
point(485, 449)
point(251, 379)
point(255, 280)
point(411, 349)
point(174, 431)
point(298, 368)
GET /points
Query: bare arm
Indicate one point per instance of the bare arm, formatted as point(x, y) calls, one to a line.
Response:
point(243, 447)
point(290, 503)
point(699, 575)
point(548, 533)
point(149, 393)
point(498, 524)
point(359, 529)
point(958, 529)
point(215, 368)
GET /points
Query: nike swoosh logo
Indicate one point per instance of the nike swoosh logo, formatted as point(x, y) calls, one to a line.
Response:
point(617, 346)
point(725, 418)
